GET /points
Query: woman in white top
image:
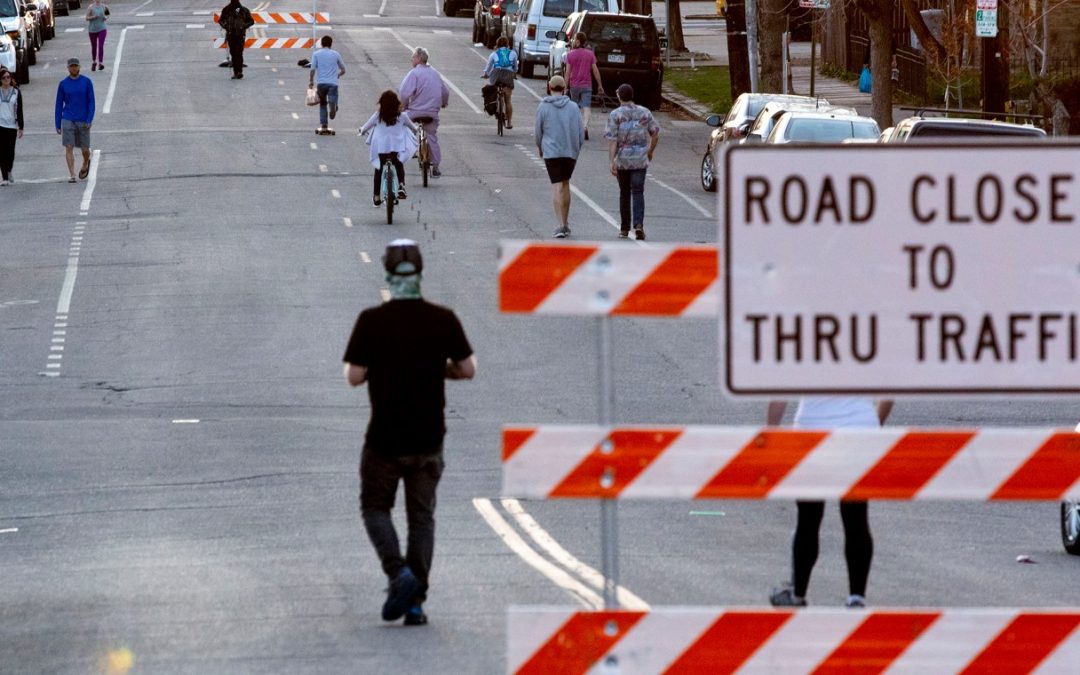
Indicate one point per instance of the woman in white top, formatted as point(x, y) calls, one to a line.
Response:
point(392, 137)
point(11, 123)
point(830, 412)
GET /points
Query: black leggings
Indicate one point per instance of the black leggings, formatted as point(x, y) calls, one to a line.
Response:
point(392, 156)
point(7, 149)
point(858, 544)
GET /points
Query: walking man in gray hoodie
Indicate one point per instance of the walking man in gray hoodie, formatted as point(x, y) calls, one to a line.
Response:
point(559, 136)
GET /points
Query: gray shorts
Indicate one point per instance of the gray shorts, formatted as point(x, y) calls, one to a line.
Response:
point(502, 76)
point(75, 134)
point(582, 96)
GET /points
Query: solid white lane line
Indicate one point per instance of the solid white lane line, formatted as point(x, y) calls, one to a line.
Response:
point(9, 530)
point(545, 541)
point(147, 3)
point(556, 574)
point(702, 210)
point(69, 285)
point(382, 8)
point(91, 181)
point(196, 25)
point(116, 68)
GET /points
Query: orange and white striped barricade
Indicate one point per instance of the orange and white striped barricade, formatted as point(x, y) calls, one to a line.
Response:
point(286, 17)
point(609, 279)
point(738, 640)
point(712, 462)
point(271, 43)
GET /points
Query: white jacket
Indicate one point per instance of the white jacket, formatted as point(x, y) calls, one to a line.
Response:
point(399, 138)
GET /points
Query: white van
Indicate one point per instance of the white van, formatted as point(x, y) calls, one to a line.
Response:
point(539, 20)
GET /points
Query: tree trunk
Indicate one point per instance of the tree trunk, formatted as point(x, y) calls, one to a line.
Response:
point(879, 16)
point(676, 43)
point(934, 50)
point(772, 22)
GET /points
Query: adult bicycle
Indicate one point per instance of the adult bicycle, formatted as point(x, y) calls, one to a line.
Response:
point(423, 152)
point(500, 107)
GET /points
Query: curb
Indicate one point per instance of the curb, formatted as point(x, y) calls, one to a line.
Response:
point(684, 103)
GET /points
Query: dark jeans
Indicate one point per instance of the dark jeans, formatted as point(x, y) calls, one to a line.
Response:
point(858, 544)
point(379, 477)
point(383, 156)
point(328, 94)
point(7, 149)
point(236, 53)
point(631, 198)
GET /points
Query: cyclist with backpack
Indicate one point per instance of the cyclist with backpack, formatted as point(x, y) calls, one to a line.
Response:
point(502, 68)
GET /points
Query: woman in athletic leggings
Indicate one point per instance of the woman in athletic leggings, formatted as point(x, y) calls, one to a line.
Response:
point(830, 412)
point(97, 14)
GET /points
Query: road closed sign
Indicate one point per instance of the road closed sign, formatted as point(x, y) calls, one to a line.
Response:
point(901, 269)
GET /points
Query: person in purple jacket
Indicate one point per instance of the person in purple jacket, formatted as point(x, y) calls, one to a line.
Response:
point(74, 115)
point(423, 93)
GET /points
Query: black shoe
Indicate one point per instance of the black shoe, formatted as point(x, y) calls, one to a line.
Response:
point(333, 112)
point(400, 595)
point(376, 201)
point(415, 616)
point(101, 66)
point(401, 194)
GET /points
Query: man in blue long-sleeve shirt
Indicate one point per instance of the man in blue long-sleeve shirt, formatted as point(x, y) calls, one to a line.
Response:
point(74, 115)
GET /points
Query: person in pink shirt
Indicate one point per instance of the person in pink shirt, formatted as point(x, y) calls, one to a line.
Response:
point(580, 69)
point(423, 93)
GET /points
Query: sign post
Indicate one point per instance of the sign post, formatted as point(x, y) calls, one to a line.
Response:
point(901, 270)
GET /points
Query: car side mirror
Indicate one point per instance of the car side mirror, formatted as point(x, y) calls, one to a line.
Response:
point(754, 138)
point(561, 36)
point(714, 120)
point(744, 128)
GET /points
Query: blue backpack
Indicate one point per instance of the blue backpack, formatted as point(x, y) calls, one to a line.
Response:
point(502, 58)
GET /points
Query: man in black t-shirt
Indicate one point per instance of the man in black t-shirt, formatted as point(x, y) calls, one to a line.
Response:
point(405, 349)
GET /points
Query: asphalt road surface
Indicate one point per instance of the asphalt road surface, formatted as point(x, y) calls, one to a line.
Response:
point(178, 448)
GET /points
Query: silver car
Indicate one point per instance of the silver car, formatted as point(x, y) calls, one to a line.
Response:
point(799, 126)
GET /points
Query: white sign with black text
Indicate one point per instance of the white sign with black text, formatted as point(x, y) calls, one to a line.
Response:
point(901, 269)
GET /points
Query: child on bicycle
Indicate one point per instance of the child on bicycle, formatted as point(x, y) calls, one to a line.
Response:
point(501, 68)
point(392, 137)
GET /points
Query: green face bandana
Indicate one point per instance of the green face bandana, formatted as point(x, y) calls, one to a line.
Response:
point(404, 287)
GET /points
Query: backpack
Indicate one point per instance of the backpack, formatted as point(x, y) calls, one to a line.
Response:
point(489, 92)
point(502, 58)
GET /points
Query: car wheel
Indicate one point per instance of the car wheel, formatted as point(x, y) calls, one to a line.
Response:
point(1070, 526)
point(655, 100)
point(708, 172)
point(526, 69)
point(62, 11)
point(31, 54)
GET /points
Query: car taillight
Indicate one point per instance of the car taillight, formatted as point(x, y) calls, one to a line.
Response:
point(496, 10)
point(531, 32)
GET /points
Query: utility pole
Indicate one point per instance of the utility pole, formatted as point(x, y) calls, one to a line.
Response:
point(995, 68)
point(738, 54)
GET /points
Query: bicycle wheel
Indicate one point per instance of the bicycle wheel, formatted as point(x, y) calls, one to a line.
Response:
point(390, 187)
point(499, 117)
point(425, 163)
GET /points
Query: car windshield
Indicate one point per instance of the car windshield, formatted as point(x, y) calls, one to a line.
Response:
point(560, 8)
point(7, 8)
point(830, 130)
point(617, 31)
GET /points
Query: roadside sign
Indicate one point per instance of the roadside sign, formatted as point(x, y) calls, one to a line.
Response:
point(907, 269)
point(814, 4)
point(986, 23)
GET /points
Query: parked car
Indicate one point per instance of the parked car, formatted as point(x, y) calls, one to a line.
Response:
point(449, 7)
point(627, 48)
point(804, 126)
point(918, 127)
point(34, 28)
point(488, 20)
point(537, 22)
point(1070, 526)
point(7, 53)
point(763, 124)
point(48, 18)
point(737, 123)
point(13, 23)
point(64, 7)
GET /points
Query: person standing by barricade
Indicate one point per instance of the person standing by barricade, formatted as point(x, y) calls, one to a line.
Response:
point(75, 107)
point(235, 19)
point(11, 124)
point(580, 71)
point(632, 135)
point(559, 137)
point(423, 93)
point(405, 350)
point(97, 14)
point(325, 69)
point(830, 412)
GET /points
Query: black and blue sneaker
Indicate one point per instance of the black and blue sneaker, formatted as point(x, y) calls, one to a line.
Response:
point(415, 616)
point(400, 595)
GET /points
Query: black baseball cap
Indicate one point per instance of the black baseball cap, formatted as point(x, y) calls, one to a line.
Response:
point(403, 258)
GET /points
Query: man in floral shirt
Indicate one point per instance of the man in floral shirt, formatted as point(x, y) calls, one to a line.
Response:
point(632, 135)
